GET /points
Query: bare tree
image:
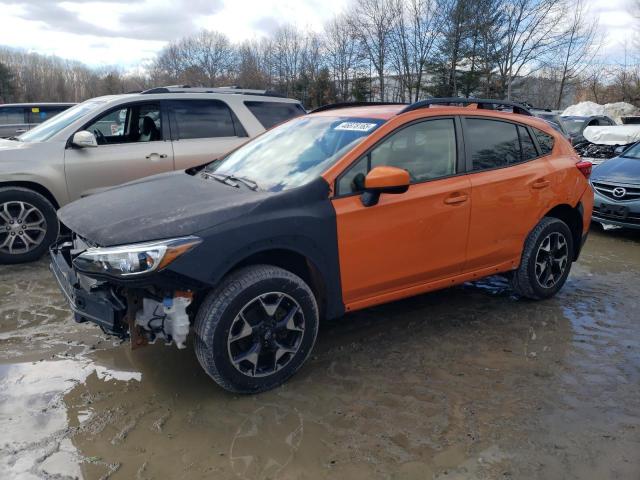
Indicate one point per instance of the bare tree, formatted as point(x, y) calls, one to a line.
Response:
point(373, 22)
point(577, 49)
point(529, 28)
point(417, 27)
point(342, 53)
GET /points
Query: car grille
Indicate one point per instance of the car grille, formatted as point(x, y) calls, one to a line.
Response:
point(619, 193)
point(633, 219)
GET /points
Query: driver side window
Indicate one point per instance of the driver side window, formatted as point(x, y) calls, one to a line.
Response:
point(427, 150)
point(131, 124)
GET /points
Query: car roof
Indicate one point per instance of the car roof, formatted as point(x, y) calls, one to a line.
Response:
point(384, 112)
point(38, 104)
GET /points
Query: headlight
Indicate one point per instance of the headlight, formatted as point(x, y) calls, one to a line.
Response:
point(136, 259)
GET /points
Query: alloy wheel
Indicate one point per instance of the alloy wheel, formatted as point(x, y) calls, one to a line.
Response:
point(552, 259)
point(266, 334)
point(22, 227)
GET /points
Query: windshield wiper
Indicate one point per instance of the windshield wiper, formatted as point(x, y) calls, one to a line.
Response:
point(220, 178)
point(229, 179)
point(14, 138)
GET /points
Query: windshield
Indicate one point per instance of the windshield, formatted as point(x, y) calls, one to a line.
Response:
point(48, 129)
point(632, 152)
point(296, 152)
point(573, 125)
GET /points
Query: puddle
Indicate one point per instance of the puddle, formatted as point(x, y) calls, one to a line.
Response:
point(469, 382)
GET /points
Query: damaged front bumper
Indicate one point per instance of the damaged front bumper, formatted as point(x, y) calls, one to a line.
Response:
point(144, 315)
point(89, 299)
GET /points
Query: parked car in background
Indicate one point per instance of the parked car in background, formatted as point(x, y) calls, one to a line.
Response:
point(111, 140)
point(617, 190)
point(552, 118)
point(575, 125)
point(17, 118)
point(336, 211)
point(604, 143)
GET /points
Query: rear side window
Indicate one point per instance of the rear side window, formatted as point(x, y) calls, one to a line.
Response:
point(529, 151)
point(492, 144)
point(204, 119)
point(11, 115)
point(41, 114)
point(545, 141)
point(273, 113)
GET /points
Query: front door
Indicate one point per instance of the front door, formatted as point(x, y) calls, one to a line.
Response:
point(131, 145)
point(406, 239)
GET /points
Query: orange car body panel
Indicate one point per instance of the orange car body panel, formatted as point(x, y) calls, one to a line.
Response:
point(417, 242)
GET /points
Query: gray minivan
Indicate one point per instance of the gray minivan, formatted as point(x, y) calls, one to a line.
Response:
point(17, 118)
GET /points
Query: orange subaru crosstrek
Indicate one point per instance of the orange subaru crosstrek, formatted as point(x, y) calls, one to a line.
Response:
point(345, 208)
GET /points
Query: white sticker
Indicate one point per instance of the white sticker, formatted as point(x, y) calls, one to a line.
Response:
point(355, 126)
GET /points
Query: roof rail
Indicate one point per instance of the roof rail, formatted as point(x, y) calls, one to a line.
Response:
point(333, 106)
point(488, 104)
point(230, 90)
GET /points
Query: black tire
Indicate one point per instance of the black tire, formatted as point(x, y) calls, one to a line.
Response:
point(25, 252)
point(526, 280)
point(220, 311)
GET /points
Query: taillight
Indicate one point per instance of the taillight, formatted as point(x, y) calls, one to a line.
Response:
point(585, 167)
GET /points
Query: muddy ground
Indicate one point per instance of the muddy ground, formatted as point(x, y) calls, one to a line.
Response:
point(469, 382)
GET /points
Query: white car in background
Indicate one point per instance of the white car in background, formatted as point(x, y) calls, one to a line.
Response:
point(111, 140)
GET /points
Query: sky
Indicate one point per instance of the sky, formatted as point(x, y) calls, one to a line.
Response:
point(129, 33)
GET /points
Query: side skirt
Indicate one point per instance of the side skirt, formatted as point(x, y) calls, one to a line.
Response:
point(430, 286)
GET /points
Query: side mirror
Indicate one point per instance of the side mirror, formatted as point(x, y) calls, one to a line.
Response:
point(384, 180)
point(84, 139)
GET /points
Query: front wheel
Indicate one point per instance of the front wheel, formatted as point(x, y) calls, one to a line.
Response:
point(546, 260)
point(28, 225)
point(256, 329)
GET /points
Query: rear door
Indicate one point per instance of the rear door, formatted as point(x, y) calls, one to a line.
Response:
point(510, 190)
point(12, 121)
point(203, 130)
point(407, 239)
point(132, 143)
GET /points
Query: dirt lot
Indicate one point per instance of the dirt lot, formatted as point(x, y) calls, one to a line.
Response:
point(465, 383)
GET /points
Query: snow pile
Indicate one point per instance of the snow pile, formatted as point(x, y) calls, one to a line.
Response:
point(613, 110)
point(584, 109)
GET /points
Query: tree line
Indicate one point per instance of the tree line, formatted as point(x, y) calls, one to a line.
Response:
point(539, 51)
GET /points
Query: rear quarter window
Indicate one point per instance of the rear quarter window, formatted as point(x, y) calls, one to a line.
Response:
point(545, 141)
point(270, 114)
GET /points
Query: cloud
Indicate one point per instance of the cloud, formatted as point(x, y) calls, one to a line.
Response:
point(150, 20)
point(266, 25)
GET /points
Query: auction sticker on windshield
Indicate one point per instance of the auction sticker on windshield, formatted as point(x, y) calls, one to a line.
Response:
point(356, 126)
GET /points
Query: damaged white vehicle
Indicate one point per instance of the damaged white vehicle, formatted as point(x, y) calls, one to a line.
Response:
point(603, 143)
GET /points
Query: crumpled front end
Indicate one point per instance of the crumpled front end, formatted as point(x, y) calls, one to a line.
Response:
point(143, 313)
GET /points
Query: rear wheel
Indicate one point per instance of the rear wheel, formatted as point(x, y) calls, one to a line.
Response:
point(28, 225)
point(256, 329)
point(546, 260)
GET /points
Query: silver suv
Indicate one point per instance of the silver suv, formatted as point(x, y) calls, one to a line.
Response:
point(111, 140)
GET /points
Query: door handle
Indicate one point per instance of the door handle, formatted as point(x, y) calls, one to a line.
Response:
point(541, 183)
point(151, 155)
point(456, 198)
point(21, 130)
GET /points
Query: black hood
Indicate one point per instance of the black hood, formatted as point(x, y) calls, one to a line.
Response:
point(163, 206)
point(618, 170)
